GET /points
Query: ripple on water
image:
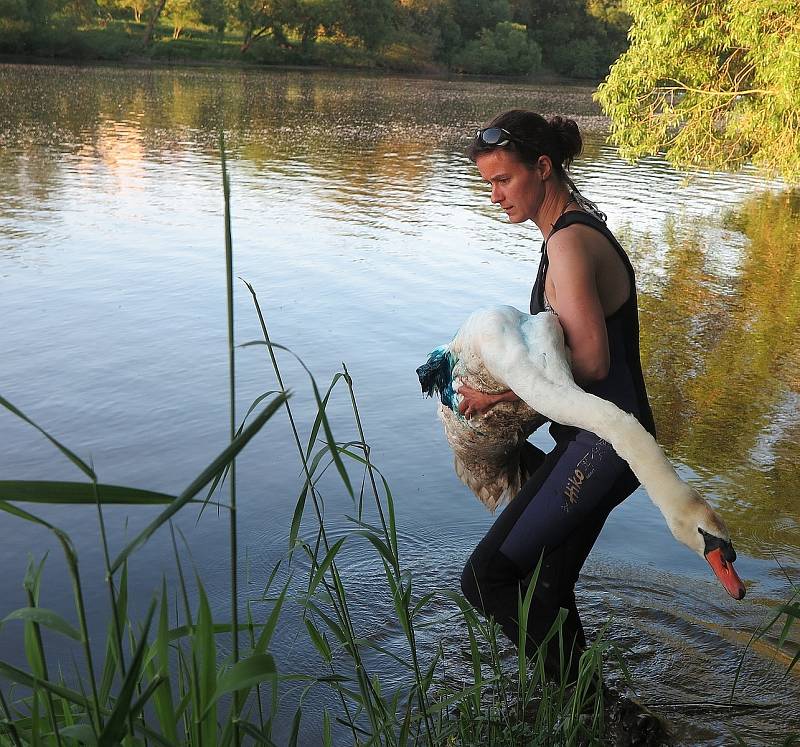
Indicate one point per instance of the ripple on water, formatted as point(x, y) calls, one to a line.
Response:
point(358, 215)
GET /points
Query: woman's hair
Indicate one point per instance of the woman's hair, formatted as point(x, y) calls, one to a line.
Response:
point(534, 136)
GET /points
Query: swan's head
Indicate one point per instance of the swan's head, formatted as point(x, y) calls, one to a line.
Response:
point(436, 376)
point(720, 555)
point(697, 525)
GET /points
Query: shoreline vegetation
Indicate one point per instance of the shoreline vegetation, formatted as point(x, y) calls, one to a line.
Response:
point(180, 676)
point(575, 39)
point(199, 682)
point(543, 77)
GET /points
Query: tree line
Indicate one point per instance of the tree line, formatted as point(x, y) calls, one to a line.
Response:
point(577, 38)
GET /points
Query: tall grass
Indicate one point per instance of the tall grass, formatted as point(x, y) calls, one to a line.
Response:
point(165, 679)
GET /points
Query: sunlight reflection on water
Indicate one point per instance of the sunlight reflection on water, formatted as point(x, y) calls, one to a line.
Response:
point(369, 237)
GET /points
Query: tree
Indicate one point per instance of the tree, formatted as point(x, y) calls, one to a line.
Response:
point(579, 38)
point(434, 22)
point(182, 13)
point(309, 17)
point(474, 15)
point(713, 84)
point(506, 50)
point(257, 18)
point(370, 20)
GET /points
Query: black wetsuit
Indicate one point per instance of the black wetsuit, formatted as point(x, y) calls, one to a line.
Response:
point(562, 507)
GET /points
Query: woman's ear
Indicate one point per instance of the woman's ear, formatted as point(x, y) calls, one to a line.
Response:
point(545, 165)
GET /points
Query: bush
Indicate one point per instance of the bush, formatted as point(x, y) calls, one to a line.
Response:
point(504, 51)
point(409, 53)
point(581, 58)
point(12, 36)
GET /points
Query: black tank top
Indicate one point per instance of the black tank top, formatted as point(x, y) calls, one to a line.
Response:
point(624, 385)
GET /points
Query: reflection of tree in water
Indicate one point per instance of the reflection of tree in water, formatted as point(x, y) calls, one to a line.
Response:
point(723, 366)
point(370, 135)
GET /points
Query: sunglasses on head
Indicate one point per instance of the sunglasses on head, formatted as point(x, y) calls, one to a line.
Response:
point(496, 136)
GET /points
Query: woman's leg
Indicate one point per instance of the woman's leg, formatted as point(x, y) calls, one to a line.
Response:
point(557, 516)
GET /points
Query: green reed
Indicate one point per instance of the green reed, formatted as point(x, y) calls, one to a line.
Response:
point(165, 680)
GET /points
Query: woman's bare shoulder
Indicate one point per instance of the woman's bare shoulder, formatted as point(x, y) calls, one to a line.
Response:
point(577, 239)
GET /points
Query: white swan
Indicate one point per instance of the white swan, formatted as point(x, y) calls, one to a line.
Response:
point(502, 348)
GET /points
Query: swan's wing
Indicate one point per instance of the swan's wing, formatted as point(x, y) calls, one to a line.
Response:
point(527, 353)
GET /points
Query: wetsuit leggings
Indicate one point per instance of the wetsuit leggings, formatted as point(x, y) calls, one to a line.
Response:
point(557, 516)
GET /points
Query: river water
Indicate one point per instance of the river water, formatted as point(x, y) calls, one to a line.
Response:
point(369, 237)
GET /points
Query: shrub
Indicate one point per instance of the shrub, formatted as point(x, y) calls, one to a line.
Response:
point(581, 58)
point(506, 50)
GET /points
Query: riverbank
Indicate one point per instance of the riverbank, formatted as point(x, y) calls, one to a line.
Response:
point(122, 42)
point(369, 236)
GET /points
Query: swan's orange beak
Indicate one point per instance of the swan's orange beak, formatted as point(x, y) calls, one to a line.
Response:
point(725, 572)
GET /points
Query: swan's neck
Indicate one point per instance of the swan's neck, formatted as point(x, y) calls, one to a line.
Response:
point(568, 404)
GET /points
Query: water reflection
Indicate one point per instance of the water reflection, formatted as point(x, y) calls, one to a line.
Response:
point(722, 363)
point(370, 237)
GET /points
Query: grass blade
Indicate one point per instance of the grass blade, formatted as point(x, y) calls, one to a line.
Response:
point(243, 675)
point(115, 727)
point(78, 493)
point(42, 616)
point(74, 458)
point(325, 564)
point(21, 677)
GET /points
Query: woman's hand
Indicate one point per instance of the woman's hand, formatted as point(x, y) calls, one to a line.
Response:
point(475, 402)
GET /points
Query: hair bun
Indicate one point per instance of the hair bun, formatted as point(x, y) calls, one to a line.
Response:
point(568, 137)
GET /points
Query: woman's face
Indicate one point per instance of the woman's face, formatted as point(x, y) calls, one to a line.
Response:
point(518, 188)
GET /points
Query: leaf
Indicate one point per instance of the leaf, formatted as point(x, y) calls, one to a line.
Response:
point(337, 629)
point(325, 564)
point(74, 458)
point(223, 475)
point(48, 618)
point(295, 729)
point(327, 738)
point(81, 732)
point(22, 677)
point(162, 700)
point(298, 515)
point(255, 733)
point(320, 409)
point(78, 493)
point(318, 640)
point(321, 413)
point(243, 675)
point(272, 622)
point(116, 725)
point(204, 653)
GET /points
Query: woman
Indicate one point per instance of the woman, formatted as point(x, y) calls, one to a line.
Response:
point(586, 279)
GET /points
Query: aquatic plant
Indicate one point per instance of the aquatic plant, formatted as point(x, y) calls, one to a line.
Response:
point(166, 679)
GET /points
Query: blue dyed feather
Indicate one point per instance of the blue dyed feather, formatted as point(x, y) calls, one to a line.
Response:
point(436, 376)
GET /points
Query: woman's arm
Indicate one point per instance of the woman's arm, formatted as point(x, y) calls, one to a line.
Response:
point(573, 293)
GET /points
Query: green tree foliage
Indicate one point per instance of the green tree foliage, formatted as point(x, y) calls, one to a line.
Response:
point(256, 18)
point(474, 16)
point(182, 13)
point(434, 25)
point(138, 7)
point(214, 13)
point(369, 20)
point(579, 38)
point(504, 51)
point(713, 83)
point(36, 13)
point(309, 17)
point(573, 37)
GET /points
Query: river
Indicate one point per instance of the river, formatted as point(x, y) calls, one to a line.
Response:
point(369, 237)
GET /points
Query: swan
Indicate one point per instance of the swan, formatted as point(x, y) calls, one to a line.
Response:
point(502, 348)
